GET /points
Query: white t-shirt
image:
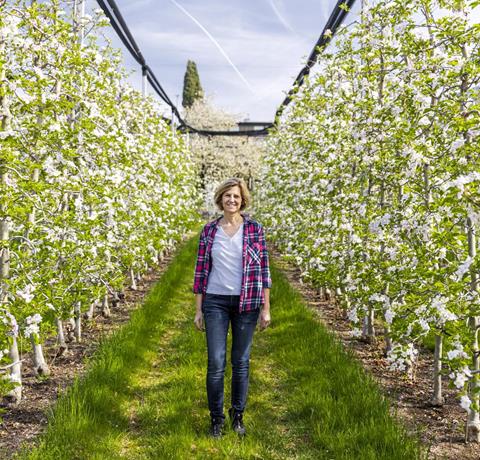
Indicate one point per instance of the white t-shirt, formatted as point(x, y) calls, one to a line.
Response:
point(226, 273)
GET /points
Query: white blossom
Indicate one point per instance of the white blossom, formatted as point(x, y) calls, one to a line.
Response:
point(26, 293)
point(457, 351)
point(460, 377)
point(389, 315)
point(402, 357)
point(465, 403)
point(31, 329)
point(352, 315)
point(464, 267)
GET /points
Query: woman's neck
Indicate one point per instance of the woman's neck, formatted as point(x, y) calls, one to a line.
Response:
point(232, 218)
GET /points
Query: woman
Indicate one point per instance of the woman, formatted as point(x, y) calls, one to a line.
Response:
point(232, 285)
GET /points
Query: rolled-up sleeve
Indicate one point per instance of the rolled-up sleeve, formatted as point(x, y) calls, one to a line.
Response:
point(265, 263)
point(200, 265)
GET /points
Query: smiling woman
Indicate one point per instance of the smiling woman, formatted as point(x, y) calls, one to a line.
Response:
point(232, 283)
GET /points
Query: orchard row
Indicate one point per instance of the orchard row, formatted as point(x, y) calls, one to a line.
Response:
point(372, 184)
point(94, 185)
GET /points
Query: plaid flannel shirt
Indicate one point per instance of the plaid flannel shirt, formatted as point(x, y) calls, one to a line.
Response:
point(256, 269)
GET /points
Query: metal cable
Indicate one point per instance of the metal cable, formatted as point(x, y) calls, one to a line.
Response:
point(333, 23)
point(119, 31)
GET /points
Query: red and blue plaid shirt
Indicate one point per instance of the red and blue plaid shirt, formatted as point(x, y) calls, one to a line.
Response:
point(256, 269)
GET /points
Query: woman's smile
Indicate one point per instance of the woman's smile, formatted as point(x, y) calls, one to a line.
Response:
point(232, 199)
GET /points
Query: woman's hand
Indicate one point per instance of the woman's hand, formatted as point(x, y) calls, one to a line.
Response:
point(264, 318)
point(265, 312)
point(199, 321)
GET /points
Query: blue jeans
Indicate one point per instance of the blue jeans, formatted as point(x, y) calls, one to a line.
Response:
point(218, 312)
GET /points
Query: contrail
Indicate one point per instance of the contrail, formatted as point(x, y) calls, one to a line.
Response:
point(209, 35)
point(280, 17)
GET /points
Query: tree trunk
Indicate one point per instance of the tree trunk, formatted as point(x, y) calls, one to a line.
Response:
point(78, 323)
point(437, 399)
point(62, 344)
point(370, 324)
point(5, 251)
point(473, 419)
point(347, 306)
point(321, 293)
point(105, 308)
point(133, 283)
point(40, 366)
point(89, 313)
point(15, 395)
point(328, 294)
point(388, 340)
point(116, 299)
point(71, 327)
point(368, 328)
point(32, 213)
point(387, 331)
point(71, 320)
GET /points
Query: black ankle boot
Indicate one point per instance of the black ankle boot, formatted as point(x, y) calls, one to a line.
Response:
point(216, 427)
point(237, 422)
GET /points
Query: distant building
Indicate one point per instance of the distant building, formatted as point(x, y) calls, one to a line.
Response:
point(253, 125)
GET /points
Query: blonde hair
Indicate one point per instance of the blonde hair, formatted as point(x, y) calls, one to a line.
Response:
point(227, 185)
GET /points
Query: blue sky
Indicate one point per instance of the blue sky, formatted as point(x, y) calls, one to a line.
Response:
point(267, 41)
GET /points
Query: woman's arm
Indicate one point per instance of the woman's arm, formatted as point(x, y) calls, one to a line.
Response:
point(266, 281)
point(264, 260)
point(198, 313)
point(265, 312)
point(266, 294)
point(200, 264)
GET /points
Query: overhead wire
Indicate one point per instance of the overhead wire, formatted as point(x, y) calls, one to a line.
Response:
point(120, 26)
point(113, 14)
point(119, 31)
point(125, 28)
point(335, 20)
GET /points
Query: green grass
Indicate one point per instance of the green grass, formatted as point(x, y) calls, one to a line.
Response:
point(144, 395)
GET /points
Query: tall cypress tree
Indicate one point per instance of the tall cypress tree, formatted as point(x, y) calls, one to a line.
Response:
point(192, 89)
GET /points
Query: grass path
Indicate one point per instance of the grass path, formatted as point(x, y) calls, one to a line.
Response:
point(144, 395)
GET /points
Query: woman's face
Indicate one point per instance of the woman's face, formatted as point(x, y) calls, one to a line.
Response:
point(232, 199)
